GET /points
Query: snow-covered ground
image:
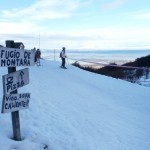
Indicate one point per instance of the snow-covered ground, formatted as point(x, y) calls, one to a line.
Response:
point(144, 80)
point(74, 109)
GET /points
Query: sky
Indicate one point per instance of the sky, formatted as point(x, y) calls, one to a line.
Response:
point(90, 112)
point(76, 24)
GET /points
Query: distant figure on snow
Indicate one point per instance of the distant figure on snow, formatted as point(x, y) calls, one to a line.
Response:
point(63, 58)
point(34, 49)
point(38, 56)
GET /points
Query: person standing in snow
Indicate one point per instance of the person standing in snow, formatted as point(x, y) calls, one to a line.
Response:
point(38, 56)
point(34, 49)
point(63, 58)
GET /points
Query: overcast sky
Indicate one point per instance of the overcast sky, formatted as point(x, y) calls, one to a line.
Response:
point(76, 24)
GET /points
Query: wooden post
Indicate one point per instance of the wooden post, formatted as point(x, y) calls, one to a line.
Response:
point(54, 54)
point(15, 114)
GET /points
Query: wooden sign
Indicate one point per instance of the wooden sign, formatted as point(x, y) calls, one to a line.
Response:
point(12, 57)
point(15, 80)
point(15, 102)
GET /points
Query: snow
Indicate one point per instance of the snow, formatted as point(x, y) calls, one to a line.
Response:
point(74, 109)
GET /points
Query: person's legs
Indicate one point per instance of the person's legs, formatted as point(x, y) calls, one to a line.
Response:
point(38, 61)
point(63, 62)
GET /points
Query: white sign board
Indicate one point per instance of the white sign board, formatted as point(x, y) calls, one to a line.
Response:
point(15, 80)
point(15, 102)
point(12, 57)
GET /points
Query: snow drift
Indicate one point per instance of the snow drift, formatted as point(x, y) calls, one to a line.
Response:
point(77, 110)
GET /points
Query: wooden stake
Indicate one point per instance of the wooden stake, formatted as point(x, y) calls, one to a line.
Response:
point(15, 114)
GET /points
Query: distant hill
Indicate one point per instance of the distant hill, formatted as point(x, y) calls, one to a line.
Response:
point(128, 74)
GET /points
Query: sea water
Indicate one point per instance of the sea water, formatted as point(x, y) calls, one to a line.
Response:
point(102, 56)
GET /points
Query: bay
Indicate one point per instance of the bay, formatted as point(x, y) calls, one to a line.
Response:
point(103, 56)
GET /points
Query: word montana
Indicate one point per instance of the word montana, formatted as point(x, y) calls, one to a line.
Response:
point(12, 57)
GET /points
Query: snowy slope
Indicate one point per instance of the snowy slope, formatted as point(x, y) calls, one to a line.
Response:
point(77, 110)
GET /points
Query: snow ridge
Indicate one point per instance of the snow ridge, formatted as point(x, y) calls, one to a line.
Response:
point(74, 109)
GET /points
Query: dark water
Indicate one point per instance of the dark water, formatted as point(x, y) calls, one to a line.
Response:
point(104, 56)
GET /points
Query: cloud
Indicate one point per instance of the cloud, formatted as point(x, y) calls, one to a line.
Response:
point(101, 38)
point(28, 20)
point(31, 18)
point(24, 25)
point(112, 5)
point(98, 38)
point(17, 28)
point(142, 15)
point(44, 9)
